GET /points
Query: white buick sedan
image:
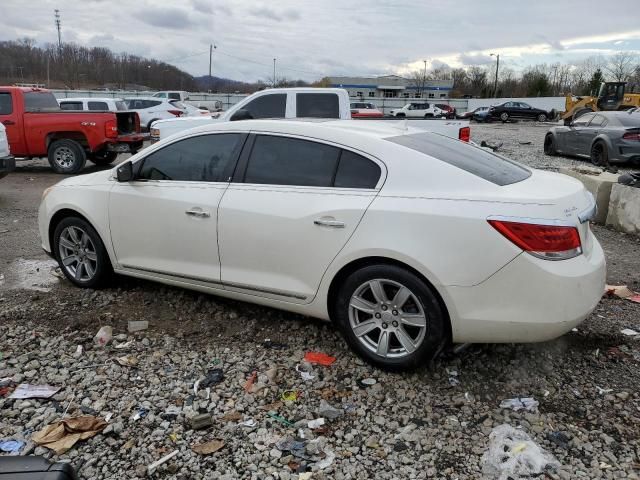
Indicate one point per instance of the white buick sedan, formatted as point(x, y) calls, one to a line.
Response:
point(405, 239)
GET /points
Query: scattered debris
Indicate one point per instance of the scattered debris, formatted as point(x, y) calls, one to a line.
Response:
point(78, 352)
point(248, 386)
point(268, 343)
point(152, 468)
point(319, 358)
point(208, 448)
point(326, 410)
point(621, 291)
point(288, 444)
point(104, 336)
point(250, 423)
point(367, 382)
point(290, 395)
point(62, 435)
point(495, 148)
point(201, 421)
point(327, 461)
point(317, 423)
point(280, 419)
point(127, 361)
point(11, 445)
point(124, 346)
point(137, 325)
point(518, 403)
point(629, 332)
point(602, 391)
point(232, 416)
point(512, 454)
point(214, 376)
point(559, 439)
point(272, 406)
point(141, 412)
point(306, 371)
point(524, 143)
point(25, 390)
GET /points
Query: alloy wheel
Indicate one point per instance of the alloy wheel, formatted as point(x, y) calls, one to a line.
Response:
point(78, 253)
point(387, 318)
point(64, 157)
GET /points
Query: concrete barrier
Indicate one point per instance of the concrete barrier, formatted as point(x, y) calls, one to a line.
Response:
point(624, 209)
point(599, 183)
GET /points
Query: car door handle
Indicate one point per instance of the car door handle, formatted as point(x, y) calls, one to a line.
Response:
point(198, 213)
point(325, 222)
point(8, 122)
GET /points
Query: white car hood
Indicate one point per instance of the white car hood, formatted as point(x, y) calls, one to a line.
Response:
point(87, 180)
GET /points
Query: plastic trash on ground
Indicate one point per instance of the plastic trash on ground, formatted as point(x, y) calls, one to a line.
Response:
point(520, 403)
point(621, 291)
point(25, 390)
point(319, 358)
point(328, 411)
point(104, 336)
point(513, 454)
point(137, 325)
point(11, 446)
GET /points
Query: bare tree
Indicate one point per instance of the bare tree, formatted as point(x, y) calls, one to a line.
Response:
point(622, 65)
point(418, 79)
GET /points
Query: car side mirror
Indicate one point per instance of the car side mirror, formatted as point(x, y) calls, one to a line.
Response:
point(124, 172)
point(241, 114)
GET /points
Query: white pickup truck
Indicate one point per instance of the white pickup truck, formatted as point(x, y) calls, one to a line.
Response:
point(297, 103)
point(7, 162)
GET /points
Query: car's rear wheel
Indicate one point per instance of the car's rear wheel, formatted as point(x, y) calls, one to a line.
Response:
point(550, 145)
point(504, 116)
point(80, 253)
point(542, 117)
point(66, 156)
point(599, 154)
point(389, 316)
point(428, 115)
point(151, 123)
point(103, 157)
point(400, 115)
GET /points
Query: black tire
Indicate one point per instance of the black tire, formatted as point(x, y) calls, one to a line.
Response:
point(542, 117)
point(427, 340)
point(151, 123)
point(103, 157)
point(504, 116)
point(428, 115)
point(550, 145)
point(400, 115)
point(599, 154)
point(66, 156)
point(102, 269)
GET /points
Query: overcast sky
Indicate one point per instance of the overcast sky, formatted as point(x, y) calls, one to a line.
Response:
point(313, 38)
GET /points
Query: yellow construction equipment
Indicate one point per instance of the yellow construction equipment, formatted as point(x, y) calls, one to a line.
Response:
point(612, 96)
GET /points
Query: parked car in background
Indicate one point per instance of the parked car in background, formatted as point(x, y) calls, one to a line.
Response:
point(603, 137)
point(417, 110)
point(191, 111)
point(481, 114)
point(373, 230)
point(173, 95)
point(37, 127)
point(468, 115)
point(520, 111)
point(104, 104)
point(151, 109)
point(365, 110)
point(7, 162)
point(450, 112)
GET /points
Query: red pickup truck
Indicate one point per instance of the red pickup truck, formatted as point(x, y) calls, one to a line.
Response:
point(36, 127)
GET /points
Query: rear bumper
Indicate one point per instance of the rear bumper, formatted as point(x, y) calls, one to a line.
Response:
point(7, 164)
point(127, 143)
point(529, 300)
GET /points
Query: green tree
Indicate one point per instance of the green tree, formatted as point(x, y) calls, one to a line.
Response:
point(594, 84)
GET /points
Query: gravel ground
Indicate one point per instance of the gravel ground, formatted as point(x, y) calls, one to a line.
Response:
point(429, 423)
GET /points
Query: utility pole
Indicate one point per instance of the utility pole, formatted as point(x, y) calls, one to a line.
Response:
point(495, 84)
point(424, 79)
point(58, 24)
point(274, 73)
point(48, 58)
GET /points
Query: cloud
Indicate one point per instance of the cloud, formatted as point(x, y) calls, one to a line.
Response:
point(202, 6)
point(165, 17)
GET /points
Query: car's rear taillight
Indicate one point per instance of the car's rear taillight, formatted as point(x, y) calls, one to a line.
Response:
point(111, 128)
point(464, 134)
point(551, 242)
point(177, 113)
point(633, 135)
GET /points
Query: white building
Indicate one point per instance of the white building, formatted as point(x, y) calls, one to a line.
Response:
point(392, 86)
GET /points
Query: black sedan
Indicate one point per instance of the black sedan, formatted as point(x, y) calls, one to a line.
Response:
point(603, 137)
point(520, 111)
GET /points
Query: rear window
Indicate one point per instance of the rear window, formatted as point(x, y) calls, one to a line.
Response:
point(39, 101)
point(317, 105)
point(120, 105)
point(474, 160)
point(98, 106)
point(71, 105)
point(629, 119)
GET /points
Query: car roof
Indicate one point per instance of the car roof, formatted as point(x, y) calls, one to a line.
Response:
point(89, 99)
point(155, 99)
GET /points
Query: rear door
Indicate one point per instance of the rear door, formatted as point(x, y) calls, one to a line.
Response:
point(292, 206)
point(12, 121)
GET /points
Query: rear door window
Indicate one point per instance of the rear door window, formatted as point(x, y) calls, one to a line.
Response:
point(356, 171)
point(98, 106)
point(598, 121)
point(317, 105)
point(6, 106)
point(290, 161)
point(268, 106)
point(474, 160)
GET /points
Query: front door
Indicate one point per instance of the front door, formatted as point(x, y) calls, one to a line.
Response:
point(165, 220)
point(293, 207)
point(12, 123)
point(575, 137)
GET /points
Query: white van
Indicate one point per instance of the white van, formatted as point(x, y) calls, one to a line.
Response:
point(92, 103)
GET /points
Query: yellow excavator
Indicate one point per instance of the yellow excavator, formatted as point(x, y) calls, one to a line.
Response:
point(612, 96)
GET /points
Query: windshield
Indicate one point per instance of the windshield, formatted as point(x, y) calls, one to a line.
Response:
point(40, 101)
point(474, 160)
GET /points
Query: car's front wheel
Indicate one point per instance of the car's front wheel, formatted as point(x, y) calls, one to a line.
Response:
point(80, 253)
point(542, 117)
point(504, 116)
point(550, 145)
point(389, 316)
point(599, 154)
